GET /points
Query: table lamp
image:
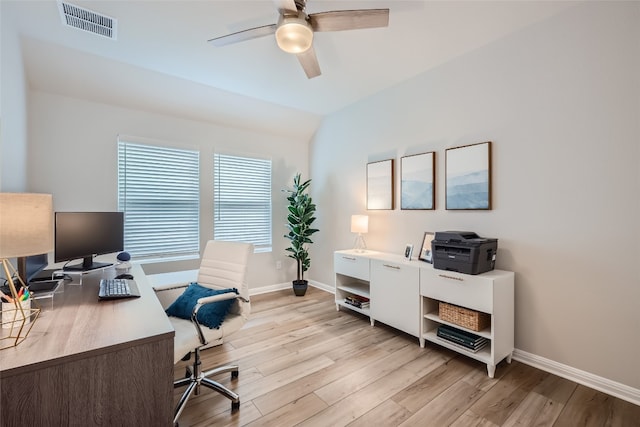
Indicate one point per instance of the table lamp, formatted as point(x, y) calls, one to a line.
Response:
point(26, 228)
point(360, 225)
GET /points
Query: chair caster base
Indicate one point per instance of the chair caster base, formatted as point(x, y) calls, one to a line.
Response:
point(234, 375)
point(235, 406)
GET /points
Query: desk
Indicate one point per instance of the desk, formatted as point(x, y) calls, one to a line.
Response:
point(89, 362)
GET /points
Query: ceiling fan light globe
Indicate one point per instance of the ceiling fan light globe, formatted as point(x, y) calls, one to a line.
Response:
point(294, 35)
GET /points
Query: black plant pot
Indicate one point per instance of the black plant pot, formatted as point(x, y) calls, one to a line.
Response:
point(300, 287)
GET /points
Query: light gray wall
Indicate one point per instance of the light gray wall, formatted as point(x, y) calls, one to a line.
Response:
point(73, 155)
point(560, 101)
point(13, 109)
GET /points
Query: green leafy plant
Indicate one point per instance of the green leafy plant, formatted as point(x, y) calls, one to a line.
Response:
point(300, 216)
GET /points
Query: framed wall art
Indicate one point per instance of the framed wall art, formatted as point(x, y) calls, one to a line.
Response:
point(417, 189)
point(468, 177)
point(380, 185)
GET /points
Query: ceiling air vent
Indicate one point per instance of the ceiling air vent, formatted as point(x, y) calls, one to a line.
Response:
point(87, 20)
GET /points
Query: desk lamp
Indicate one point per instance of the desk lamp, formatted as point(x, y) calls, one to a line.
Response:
point(26, 228)
point(360, 225)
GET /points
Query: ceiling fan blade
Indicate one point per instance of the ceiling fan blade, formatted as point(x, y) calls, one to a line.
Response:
point(240, 36)
point(286, 6)
point(339, 20)
point(309, 62)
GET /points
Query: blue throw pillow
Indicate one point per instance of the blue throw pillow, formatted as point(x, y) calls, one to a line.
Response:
point(210, 315)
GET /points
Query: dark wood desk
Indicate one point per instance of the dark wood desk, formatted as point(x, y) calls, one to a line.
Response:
point(88, 362)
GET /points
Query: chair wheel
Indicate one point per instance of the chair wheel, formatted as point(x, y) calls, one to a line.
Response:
point(234, 375)
point(235, 406)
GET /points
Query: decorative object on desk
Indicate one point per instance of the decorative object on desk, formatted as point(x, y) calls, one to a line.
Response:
point(425, 250)
point(380, 193)
point(26, 229)
point(468, 177)
point(300, 217)
point(360, 225)
point(408, 251)
point(417, 189)
point(123, 266)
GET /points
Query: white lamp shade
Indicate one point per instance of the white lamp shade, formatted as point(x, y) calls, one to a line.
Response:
point(26, 224)
point(294, 35)
point(359, 223)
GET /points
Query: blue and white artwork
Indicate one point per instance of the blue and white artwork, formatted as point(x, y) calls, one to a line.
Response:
point(468, 177)
point(380, 185)
point(417, 181)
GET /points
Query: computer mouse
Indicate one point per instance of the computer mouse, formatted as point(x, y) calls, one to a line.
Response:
point(124, 276)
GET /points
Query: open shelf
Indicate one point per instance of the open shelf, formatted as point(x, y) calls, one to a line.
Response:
point(486, 333)
point(483, 355)
point(356, 289)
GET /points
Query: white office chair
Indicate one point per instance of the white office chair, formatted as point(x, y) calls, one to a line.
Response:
point(223, 266)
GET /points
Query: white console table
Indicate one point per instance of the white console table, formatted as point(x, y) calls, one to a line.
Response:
point(405, 294)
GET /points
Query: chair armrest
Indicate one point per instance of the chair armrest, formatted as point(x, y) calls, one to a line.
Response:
point(209, 300)
point(169, 287)
point(167, 294)
point(216, 298)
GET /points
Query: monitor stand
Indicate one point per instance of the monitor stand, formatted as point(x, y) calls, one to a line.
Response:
point(87, 264)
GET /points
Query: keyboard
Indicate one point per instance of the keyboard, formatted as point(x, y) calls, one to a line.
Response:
point(118, 288)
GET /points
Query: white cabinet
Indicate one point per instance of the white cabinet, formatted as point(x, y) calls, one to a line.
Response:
point(406, 295)
point(395, 286)
point(390, 282)
point(352, 279)
point(491, 292)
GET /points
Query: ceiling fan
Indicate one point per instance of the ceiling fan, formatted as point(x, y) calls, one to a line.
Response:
point(295, 28)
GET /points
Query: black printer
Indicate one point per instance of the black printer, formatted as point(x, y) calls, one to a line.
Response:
point(463, 251)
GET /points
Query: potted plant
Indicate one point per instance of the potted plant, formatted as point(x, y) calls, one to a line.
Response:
point(300, 216)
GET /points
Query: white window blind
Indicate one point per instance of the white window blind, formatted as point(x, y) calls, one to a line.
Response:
point(159, 193)
point(242, 200)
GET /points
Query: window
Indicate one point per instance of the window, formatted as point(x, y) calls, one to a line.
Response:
point(158, 191)
point(242, 200)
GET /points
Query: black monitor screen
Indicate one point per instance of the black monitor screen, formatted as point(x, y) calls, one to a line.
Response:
point(85, 234)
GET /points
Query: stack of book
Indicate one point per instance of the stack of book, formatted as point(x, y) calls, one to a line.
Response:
point(357, 301)
point(464, 339)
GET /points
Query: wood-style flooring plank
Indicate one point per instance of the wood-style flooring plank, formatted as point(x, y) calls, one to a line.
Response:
point(303, 363)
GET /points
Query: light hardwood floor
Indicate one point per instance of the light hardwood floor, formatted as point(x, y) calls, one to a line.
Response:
point(302, 363)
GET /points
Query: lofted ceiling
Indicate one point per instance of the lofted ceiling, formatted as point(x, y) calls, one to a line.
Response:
point(161, 58)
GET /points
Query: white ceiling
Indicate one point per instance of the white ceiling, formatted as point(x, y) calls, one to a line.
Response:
point(161, 58)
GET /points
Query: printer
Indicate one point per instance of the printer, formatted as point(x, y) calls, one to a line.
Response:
point(463, 251)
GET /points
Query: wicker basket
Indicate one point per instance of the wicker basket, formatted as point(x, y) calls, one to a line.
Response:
point(470, 319)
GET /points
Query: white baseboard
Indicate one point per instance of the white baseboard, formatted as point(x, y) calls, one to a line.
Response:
point(287, 285)
point(270, 288)
point(322, 286)
point(596, 382)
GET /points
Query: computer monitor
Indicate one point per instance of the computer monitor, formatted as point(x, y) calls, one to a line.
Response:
point(86, 234)
point(30, 266)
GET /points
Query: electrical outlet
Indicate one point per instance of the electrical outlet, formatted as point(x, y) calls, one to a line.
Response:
point(278, 265)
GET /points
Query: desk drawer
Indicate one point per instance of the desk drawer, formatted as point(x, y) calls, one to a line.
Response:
point(474, 292)
point(351, 265)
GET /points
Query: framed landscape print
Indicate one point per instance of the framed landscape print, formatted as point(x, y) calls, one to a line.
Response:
point(468, 176)
point(417, 190)
point(380, 185)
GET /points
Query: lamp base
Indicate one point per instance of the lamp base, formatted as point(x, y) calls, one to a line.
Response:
point(18, 316)
point(359, 245)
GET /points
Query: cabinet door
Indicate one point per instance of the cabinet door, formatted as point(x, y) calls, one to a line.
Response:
point(395, 295)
